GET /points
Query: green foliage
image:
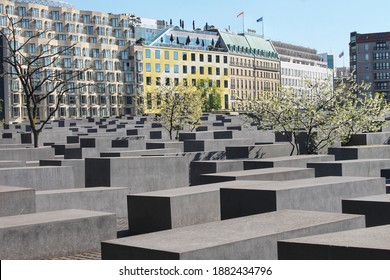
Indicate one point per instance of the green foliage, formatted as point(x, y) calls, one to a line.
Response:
point(180, 106)
point(322, 115)
point(211, 95)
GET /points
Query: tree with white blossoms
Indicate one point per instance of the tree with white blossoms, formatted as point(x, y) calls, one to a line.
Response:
point(321, 115)
point(180, 106)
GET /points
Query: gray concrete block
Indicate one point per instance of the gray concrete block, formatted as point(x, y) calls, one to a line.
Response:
point(318, 194)
point(16, 201)
point(214, 145)
point(375, 208)
point(27, 154)
point(359, 167)
point(359, 244)
point(139, 153)
point(164, 145)
point(54, 234)
point(168, 209)
point(267, 174)
point(78, 167)
point(258, 151)
point(361, 152)
point(11, 163)
point(111, 200)
point(248, 238)
point(141, 173)
point(39, 178)
point(374, 138)
point(198, 168)
point(206, 135)
point(300, 161)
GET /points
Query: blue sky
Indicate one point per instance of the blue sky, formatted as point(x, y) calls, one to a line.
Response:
point(321, 24)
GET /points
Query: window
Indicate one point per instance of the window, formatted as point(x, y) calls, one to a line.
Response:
point(193, 57)
point(15, 112)
point(149, 81)
point(158, 81)
point(158, 68)
point(225, 84)
point(185, 69)
point(147, 53)
point(149, 100)
point(176, 69)
point(55, 15)
point(218, 71)
point(26, 23)
point(217, 59)
point(209, 58)
point(201, 70)
point(176, 56)
point(225, 59)
point(184, 56)
point(124, 55)
point(67, 16)
point(86, 18)
point(210, 70)
point(114, 22)
point(31, 48)
point(62, 37)
point(381, 46)
point(167, 81)
point(167, 68)
point(193, 69)
point(157, 54)
point(67, 63)
point(14, 85)
point(99, 76)
point(98, 65)
point(225, 71)
point(89, 30)
point(166, 54)
point(201, 57)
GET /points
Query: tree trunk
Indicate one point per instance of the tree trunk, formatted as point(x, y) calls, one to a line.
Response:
point(36, 137)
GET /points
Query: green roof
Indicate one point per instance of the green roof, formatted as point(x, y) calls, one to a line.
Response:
point(249, 45)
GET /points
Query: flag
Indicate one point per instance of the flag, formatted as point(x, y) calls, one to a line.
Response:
point(240, 14)
point(341, 54)
point(260, 19)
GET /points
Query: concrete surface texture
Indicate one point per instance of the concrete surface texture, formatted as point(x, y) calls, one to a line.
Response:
point(140, 173)
point(358, 167)
point(50, 234)
point(168, 209)
point(360, 244)
point(253, 237)
point(16, 201)
point(267, 174)
point(111, 200)
point(361, 152)
point(40, 178)
point(375, 208)
point(317, 194)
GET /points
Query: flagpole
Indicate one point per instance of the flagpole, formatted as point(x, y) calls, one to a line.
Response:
point(262, 25)
point(243, 23)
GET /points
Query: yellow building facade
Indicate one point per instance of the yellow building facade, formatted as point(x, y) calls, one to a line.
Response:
point(171, 66)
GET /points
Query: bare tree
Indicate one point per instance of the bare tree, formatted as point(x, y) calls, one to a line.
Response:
point(38, 69)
